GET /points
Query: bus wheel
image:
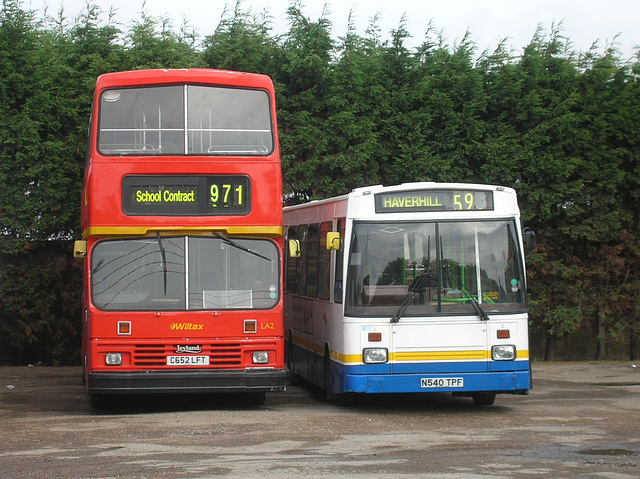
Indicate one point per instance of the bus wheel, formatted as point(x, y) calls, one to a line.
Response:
point(85, 374)
point(294, 379)
point(100, 401)
point(344, 399)
point(256, 399)
point(484, 399)
point(326, 375)
point(339, 399)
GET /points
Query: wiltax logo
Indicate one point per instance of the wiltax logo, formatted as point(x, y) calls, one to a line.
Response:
point(193, 349)
point(186, 327)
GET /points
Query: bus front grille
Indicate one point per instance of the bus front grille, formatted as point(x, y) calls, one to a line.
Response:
point(220, 354)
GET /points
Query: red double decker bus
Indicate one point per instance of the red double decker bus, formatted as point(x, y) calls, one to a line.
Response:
point(182, 235)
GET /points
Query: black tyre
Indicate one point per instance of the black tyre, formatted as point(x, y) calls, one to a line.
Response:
point(484, 399)
point(294, 379)
point(256, 399)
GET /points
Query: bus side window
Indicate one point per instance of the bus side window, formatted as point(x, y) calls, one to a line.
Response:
point(337, 282)
point(324, 262)
point(311, 251)
point(300, 267)
point(292, 259)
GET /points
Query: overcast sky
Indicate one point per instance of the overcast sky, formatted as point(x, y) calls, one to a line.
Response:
point(583, 21)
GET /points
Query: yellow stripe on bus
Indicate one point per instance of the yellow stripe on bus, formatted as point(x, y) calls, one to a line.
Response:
point(439, 355)
point(448, 355)
point(415, 356)
point(109, 231)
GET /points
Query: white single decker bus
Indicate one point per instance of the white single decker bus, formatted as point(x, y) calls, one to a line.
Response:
point(412, 288)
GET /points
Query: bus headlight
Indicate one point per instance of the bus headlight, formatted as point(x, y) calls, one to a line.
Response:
point(260, 357)
point(113, 359)
point(375, 355)
point(503, 352)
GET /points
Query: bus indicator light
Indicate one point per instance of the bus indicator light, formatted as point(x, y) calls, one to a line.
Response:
point(504, 334)
point(374, 337)
point(250, 326)
point(124, 328)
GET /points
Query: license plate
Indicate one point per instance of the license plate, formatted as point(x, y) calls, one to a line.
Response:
point(187, 360)
point(442, 382)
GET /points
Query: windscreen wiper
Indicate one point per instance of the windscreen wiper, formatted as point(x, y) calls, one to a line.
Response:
point(230, 242)
point(164, 261)
point(417, 284)
point(476, 305)
point(481, 312)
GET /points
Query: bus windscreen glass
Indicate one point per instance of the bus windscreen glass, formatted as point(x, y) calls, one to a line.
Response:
point(447, 265)
point(151, 274)
point(151, 121)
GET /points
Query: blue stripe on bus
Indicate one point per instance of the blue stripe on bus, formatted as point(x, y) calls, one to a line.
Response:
point(379, 379)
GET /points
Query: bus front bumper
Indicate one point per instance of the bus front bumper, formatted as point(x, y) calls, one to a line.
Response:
point(514, 382)
point(201, 381)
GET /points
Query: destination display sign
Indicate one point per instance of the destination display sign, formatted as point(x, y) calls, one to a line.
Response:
point(202, 195)
point(433, 200)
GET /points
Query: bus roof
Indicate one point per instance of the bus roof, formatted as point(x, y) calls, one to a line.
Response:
point(424, 185)
point(428, 185)
point(187, 75)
